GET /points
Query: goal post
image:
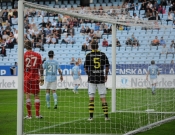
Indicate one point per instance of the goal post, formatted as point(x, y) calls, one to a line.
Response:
point(20, 92)
point(125, 104)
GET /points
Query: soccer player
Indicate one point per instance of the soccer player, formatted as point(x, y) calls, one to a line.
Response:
point(51, 66)
point(32, 78)
point(76, 77)
point(153, 72)
point(94, 66)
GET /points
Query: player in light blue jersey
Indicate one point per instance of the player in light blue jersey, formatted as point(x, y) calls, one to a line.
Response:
point(76, 77)
point(51, 66)
point(153, 71)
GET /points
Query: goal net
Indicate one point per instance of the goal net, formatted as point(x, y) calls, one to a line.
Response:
point(138, 108)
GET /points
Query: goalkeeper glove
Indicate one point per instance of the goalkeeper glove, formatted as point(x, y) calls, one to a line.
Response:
point(41, 80)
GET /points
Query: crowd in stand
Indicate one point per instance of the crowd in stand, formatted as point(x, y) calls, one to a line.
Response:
point(63, 26)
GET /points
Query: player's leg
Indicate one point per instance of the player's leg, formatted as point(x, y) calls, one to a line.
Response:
point(102, 93)
point(28, 100)
point(35, 90)
point(91, 91)
point(48, 98)
point(37, 106)
point(55, 97)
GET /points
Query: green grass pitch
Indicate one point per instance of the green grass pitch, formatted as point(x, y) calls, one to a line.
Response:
point(72, 113)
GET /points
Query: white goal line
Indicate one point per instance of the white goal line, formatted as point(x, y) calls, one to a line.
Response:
point(146, 111)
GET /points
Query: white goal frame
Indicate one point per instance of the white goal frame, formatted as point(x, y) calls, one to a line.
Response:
point(20, 93)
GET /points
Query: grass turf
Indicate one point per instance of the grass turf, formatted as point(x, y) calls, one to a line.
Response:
point(72, 113)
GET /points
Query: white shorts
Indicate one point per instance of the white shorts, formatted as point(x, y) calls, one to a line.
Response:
point(101, 88)
point(153, 81)
point(51, 85)
point(77, 81)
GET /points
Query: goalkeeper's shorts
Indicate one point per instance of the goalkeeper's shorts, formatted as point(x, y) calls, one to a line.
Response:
point(51, 85)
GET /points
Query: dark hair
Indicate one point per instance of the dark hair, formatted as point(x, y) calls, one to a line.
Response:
point(51, 54)
point(94, 44)
point(152, 62)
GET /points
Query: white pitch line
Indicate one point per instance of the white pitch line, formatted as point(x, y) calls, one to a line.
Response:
point(56, 125)
point(60, 124)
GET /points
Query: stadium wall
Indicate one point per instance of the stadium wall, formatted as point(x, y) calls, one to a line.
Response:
point(122, 82)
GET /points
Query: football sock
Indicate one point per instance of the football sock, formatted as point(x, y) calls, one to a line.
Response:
point(28, 106)
point(37, 106)
point(152, 88)
point(48, 99)
point(76, 87)
point(55, 98)
point(105, 109)
point(91, 108)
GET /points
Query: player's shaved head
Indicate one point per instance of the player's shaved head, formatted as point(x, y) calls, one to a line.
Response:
point(28, 45)
point(94, 45)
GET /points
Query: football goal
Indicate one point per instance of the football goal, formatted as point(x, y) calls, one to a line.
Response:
point(134, 105)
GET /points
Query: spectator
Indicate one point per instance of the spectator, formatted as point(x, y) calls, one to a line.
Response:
point(72, 39)
point(106, 30)
point(87, 30)
point(172, 43)
point(118, 43)
point(10, 13)
point(59, 24)
point(5, 15)
point(135, 17)
point(48, 31)
point(5, 36)
point(8, 29)
point(98, 34)
point(105, 43)
point(164, 49)
point(54, 23)
point(97, 27)
point(54, 39)
point(82, 30)
point(170, 50)
point(170, 17)
point(72, 62)
point(173, 24)
point(15, 12)
point(65, 30)
point(48, 39)
point(3, 51)
point(157, 17)
point(172, 62)
point(160, 9)
point(14, 20)
point(66, 40)
point(39, 44)
point(135, 42)
point(43, 24)
point(155, 42)
point(87, 41)
point(137, 7)
point(128, 41)
point(84, 47)
point(120, 27)
point(162, 41)
point(79, 61)
point(71, 30)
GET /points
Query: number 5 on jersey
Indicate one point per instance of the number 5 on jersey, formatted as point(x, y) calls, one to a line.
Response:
point(96, 62)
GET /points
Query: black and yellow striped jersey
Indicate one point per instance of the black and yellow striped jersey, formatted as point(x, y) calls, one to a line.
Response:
point(95, 63)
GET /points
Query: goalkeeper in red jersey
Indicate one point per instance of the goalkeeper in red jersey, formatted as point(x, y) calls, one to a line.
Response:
point(33, 76)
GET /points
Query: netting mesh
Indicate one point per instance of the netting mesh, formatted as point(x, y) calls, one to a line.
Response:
point(136, 106)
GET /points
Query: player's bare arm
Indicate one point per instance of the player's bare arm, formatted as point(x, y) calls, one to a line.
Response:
point(61, 76)
point(106, 73)
point(147, 75)
point(41, 76)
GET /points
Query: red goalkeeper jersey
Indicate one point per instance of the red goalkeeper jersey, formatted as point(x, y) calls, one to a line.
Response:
point(32, 63)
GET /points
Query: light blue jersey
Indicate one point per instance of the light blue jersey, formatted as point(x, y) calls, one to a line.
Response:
point(75, 71)
point(153, 71)
point(51, 67)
